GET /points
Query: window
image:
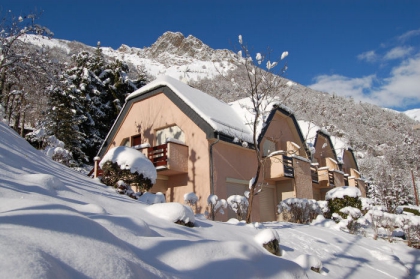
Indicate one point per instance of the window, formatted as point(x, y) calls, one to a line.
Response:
point(135, 140)
point(173, 132)
point(268, 147)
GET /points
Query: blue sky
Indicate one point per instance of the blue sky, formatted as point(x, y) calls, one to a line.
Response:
point(369, 50)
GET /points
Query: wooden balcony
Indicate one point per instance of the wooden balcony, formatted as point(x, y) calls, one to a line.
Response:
point(278, 167)
point(314, 175)
point(330, 178)
point(169, 158)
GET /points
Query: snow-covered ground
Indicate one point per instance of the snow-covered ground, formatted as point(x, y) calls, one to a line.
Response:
point(56, 223)
point(413, 113)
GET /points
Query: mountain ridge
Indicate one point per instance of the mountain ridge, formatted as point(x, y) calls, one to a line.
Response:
point(369, 129)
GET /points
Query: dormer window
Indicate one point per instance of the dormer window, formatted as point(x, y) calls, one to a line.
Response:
point(268, 147)
point(172, 132)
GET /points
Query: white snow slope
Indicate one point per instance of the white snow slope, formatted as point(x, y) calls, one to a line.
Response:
point(56, 223)
point(413, 113)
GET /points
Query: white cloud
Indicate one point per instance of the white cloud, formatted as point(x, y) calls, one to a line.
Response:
point(401, 88)
point(344, 86)
point(398, 52)
point(398, 89)
point(369, 56)
point(407, 35)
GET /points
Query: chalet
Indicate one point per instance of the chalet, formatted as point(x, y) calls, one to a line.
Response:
point(203, 145)
point(348, 164)
point(333, 161)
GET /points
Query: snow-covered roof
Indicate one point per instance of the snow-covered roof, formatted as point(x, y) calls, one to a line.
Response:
point(309, 131)
point(340, 145)
point(219, 115)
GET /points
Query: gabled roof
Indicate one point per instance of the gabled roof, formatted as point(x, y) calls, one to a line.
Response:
point(311, 132)
point(210, 114)
point(218, 114)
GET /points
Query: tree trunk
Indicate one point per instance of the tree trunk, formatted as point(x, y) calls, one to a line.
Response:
point(252, 193)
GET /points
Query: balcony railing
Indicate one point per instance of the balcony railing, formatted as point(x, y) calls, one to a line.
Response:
point(279, 167)
point(158, 155)
point(288, 166)
point(314, 175)
point(169, 158)
point(331, 180)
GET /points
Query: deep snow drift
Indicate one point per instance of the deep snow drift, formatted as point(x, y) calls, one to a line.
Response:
point(56, 223)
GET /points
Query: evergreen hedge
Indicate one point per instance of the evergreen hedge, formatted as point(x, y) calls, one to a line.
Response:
point(338, 203)
point(112, 173)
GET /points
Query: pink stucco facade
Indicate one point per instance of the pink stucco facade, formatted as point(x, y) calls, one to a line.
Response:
point(188, 168)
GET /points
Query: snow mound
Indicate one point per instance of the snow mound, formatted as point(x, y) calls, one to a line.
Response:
point(124, 227)
point(172, 212)
point(320, 221)
point(46, 182)
point(267, 235)
point(130, 159)
point(90, 208)
point(151, 198)
point(340, 192)
point(308, 262)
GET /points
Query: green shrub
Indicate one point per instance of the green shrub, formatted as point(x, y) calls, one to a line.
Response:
point(112, 173)
point(336, 204)
point(412, 210)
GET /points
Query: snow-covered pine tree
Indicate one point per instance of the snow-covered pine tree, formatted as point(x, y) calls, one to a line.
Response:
point(93, 91)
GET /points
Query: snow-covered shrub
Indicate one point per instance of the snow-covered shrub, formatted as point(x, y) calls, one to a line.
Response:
point(375, 217)
point(51, 146)
point(323, 205)
point(389, 223)
point(173, 212)
point(299, 210)
point(411, 210)
point(342, 197)
point(191, 199)
point(112, 173)
point(151, 198)
point(351, 221)
point(270, 240)
point(216, 206)
point(129, 165)
point(239, 205)
point(367, 204)
point(309, 262)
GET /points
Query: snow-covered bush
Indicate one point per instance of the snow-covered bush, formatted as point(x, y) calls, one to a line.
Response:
point(411, 210)
point(323, 205)
point(309, 262)
point(173, 212)
point(375, 217)
point(216, 206)
point(151, 198)
point(129, 165)
point(51, 146)
point(342, 197)
point(270, 240)
point(351, 220)
point(367, 204)
point(191, 199)
point(239, 205)
point(301, 211)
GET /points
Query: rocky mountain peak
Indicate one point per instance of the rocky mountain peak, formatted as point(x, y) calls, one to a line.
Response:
point(175, 43)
